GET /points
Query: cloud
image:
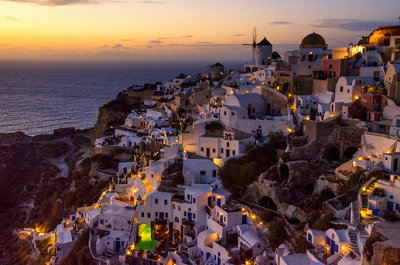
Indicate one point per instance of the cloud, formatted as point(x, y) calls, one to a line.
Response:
point(155, 42)
point(280, 23)
point(351, 24)
point(55, 2)
point(151, 2)
point(126, 40)
point(162, 38)
point(119, 46)
point(188, 36)
point(205, 42)
point(105, 46)
point(239, 35)
point(11, 18)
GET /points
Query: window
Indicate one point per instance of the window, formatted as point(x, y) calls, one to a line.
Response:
point(142, 214)
point(184, 213)
point(233, 152)
point(176, 219)
point(233, 113)
point(214, 173)
point(224, 218)
point(227, 144)
point(194, 200)
point(152, 176)
point(222, 150)
point(156, 214)
point(156, 201)
point(179, 207)
point(188, 196)
point(148, 215)
point(202, 149)
point(173, 206)
point(224, 113)
point(102, 221)
point(194, 216)
point(166, 215)
point(348, 90)
point(341, 89)
point(165, 202)
point(213, 150)
point(202, 172)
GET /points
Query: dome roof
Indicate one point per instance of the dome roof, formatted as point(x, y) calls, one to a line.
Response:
point(313, 40)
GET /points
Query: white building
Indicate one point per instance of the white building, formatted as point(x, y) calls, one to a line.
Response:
point(230, 144)
point(199, 171)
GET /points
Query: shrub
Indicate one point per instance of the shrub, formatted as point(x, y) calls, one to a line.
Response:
point(267, 216)
point(323, 223)
point(301, 245)
point(277, 234)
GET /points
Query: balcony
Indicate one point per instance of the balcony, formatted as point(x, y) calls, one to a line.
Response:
point(187, 222)
point(160, 221)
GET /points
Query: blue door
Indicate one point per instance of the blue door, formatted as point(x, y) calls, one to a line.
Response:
point(390, 206)
point(219, 261)
point(332, 246)
point(190, 216)
point(244, 219)
point(221, 219)
point(310, 238)
point(209, 201)
point(219, 202)
point(208, 255)
point(161, 216)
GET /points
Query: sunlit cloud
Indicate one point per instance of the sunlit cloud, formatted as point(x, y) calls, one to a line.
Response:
point(351, 24)
point(126, 39)
point(205, 42)
point(188, 36)
point(151, 2)
point(239, 35)
point(280, 23)
point(155, 42)
point(11, 18)
point(54, 2)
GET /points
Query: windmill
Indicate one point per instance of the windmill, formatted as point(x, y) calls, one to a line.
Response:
point(254, 44)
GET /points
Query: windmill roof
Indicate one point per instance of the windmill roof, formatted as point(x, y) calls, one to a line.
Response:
point(264, 42)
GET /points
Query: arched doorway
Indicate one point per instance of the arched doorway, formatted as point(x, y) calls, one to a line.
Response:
point(349, 152)
point(332, 153)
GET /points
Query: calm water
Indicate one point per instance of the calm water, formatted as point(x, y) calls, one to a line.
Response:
point(37, 97)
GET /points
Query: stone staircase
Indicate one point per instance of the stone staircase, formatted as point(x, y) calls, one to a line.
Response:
point(364, 195)
point(184, 257)
point(354, 241)
point(335, 262)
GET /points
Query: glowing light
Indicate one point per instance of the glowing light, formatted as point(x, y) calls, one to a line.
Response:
point(246, 91)
point(289, 130)
point(308, 118)
point(356, 97)
point(253, 216)
point(364, 189)
point(343, 247)
point(290, 94)
point(277, 88)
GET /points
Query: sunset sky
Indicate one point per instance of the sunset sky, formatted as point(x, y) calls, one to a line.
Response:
point(178, 29)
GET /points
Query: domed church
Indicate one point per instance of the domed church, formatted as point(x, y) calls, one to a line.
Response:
point(312, 50)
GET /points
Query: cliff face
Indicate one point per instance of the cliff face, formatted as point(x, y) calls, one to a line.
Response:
point(40, 184)
point(113, 114)
point(383, 245)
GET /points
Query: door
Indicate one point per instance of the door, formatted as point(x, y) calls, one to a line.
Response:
point(219, 261)
point(221, 220)
point(244, 219)
point(117, 245)
point(228, 152)
point(390, 206)
point(208, 255)
point(208, 152)
point(209, 201)
point(219, 202)
point(190, 216)
point(395, 161)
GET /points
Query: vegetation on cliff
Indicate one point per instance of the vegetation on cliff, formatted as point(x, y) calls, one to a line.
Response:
point(237, 174)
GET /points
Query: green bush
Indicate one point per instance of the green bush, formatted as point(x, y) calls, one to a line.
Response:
point(323, 223)
point(277, 234)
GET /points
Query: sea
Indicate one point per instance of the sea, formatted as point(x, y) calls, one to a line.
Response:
point(38, 97)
